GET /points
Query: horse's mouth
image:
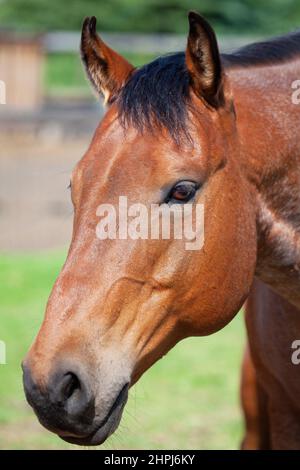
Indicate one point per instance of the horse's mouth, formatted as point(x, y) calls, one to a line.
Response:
point(106, 427)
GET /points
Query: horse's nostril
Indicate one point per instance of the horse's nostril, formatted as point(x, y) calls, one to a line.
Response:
point(66, 402)
point(70, 384)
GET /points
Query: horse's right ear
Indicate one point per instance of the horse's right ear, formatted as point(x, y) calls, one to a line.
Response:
point(107, 70)
point(204, 62)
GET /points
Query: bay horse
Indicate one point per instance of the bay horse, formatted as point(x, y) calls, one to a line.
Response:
point(190, 127)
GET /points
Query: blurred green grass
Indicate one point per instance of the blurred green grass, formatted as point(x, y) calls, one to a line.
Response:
point(239, 16)
point(188, 400)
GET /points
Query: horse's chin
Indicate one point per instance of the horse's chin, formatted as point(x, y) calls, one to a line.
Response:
point(102, 431)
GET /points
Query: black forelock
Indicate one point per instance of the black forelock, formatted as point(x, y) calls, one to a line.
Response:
point(157, 94)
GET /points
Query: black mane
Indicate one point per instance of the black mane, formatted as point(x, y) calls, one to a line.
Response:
point(158, 93)
point(275, 50)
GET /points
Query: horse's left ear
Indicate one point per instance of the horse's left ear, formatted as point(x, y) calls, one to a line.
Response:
point(204, 62)
point(107, 70)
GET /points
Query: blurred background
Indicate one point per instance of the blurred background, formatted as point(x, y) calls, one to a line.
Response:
point(190, 399)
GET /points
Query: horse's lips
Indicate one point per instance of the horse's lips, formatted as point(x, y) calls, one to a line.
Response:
point(107, 426)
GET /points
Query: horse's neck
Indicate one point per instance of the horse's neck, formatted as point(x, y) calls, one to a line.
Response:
point(269, 127)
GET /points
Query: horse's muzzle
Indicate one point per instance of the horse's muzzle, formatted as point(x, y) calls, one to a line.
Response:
point(66, 406)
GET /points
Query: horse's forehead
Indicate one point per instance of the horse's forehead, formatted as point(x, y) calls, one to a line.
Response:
point(119, 152)
point(121, 148)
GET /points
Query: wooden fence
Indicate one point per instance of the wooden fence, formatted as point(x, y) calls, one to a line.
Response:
point(21, 62)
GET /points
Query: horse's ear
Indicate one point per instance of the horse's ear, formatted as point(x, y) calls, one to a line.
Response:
point(107, 70)
point(204, 62)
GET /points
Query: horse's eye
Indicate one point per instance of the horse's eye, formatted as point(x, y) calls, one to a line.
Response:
point(182, 192)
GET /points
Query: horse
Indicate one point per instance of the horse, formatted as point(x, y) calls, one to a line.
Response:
point(189, 128)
